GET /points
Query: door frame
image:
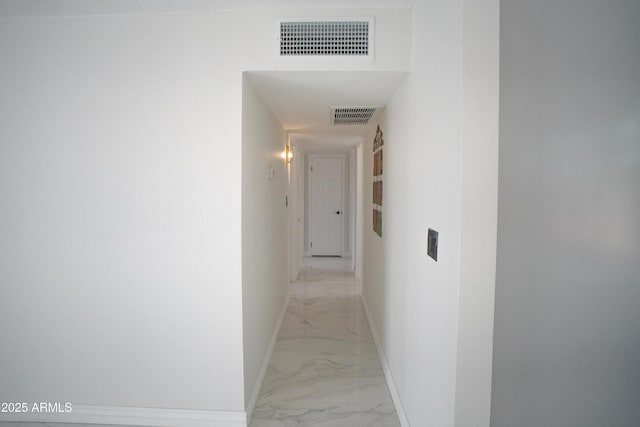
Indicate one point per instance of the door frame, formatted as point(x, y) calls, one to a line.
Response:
point(298, 193)
point(344, 198)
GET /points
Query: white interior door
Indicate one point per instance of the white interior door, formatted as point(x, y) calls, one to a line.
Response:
point(326, 216)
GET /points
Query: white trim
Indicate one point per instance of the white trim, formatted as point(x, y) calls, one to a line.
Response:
point(294, 218)
point(353, 209)
point(404, 421)
point(343, 190)
point(265, 363)
point(133, 416)
point(359, 218)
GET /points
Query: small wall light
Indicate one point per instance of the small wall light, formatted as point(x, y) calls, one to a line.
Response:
point(287, 155)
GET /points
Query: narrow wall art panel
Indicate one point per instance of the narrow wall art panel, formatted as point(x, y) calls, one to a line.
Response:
point(378, 142)
point(377, 222)
point(377, 193)
point(377, 163)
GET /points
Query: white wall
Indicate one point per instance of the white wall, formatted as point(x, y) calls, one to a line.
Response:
point(567, 333)
point(120, 256)
point(120, 180)
point(413, 299)
point(440, 152)
point(264, 235)
point(479, 208)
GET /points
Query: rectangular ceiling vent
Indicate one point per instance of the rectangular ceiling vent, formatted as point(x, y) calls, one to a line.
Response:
point(322, 38)
point(352, 115)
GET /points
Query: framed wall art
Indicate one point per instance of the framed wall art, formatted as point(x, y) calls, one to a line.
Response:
point(378, 142)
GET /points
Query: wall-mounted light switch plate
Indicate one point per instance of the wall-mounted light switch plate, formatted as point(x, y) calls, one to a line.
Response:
point(432, 244)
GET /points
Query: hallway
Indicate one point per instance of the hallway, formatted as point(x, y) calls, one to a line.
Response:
point(324, 370)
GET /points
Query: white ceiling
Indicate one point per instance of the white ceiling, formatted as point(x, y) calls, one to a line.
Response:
point(302, 100)
point(107, 7)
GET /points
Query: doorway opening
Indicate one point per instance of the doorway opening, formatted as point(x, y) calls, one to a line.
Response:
point(324, 192)
point(326, 205)
point(325, 212)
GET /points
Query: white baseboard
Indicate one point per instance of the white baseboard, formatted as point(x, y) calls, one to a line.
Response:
point(130, 416)
point(404, 421)
point(265, 363)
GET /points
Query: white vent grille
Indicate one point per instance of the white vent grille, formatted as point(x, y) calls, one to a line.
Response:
point(352, 115)
point(323, 38)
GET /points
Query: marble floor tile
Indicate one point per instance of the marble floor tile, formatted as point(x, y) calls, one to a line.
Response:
point(325, 369)
point(335, 265)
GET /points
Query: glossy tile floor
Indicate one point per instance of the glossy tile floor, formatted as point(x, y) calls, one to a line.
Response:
point(325, 370)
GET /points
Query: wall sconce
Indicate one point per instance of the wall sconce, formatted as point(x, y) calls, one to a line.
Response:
point(287, 154)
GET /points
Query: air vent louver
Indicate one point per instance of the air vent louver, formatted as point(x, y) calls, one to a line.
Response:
point(352, 115)
point(320, 38)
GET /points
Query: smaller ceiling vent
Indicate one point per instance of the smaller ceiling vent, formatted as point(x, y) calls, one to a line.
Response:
point(321, 38)
point(352, 115)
